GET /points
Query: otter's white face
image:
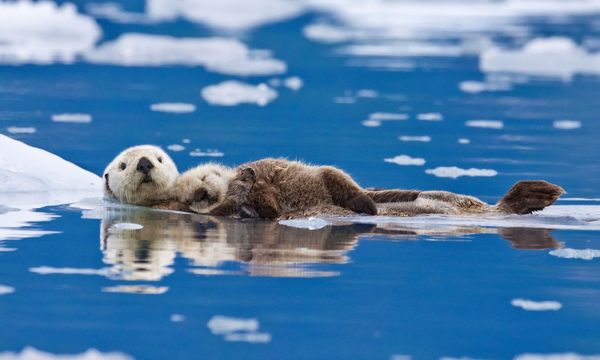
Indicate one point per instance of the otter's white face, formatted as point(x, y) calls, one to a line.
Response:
point(204, 187)
point(140, 175)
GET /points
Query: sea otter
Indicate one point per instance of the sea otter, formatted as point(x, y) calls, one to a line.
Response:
point(281, 189)
point(143, 175)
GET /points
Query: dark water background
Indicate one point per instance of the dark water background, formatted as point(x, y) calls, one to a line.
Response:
point(347, 291)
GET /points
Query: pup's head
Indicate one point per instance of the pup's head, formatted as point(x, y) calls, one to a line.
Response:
point(204, 187)
point(140, 175)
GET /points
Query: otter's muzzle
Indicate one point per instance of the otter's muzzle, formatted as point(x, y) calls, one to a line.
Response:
point(144, 166)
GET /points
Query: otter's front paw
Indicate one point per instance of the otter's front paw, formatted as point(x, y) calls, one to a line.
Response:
point(362, 204)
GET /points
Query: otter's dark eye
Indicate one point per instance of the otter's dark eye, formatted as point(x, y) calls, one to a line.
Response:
point(123, 166)
point(159, 160)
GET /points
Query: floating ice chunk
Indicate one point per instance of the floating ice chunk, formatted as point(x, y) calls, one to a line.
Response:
point(464, 141)
point(375, 119)
point(219, 324)
point(21, 130)
point(128, 226)
point(225, 14)
point(44, 33)
point(585, 254)
point(213, 153)
point(221, 55)
point(312, 223)
point(253, 337)
point(232, 93)
point(367, 93)
point(388, 116)
point(455, 172)
point(555, 57)
point(177, 108)
point(430, 117)
point(405, 160)
point(45, 270)
point(566, 124)
point(186, 141)
point(137, 289)
point(25, 168)
point(371, 123)
point(6, 290)
point(73, 118)
point(30, 353)
point(474, 87)
point(115, 13)
point(415, 138)
point(177, 318)
point(328, 34)
point(536, 305)
point(564, 356)
point(176, 147)
point(294, 83)
point(490, 124)
point(401, 357)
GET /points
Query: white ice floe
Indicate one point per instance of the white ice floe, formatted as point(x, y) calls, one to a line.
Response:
point(555, 57)
point(73, 118)
point(186, 141)
point(563, 356)
point(405, 160)
point(6, 289)
point(566, 124)
point(44, 33)
point(211, 153)
point(136, 289)
point(176, 147)
point(225, 14)
point(220, 325)
point(430, 117)
point(45, 270)
point(489, 124)
point(232, 93)
point(474, 87)
point(115, 13)
point(21, 130)
point(415, 138)
point(536, 305)
point(25, 168)
point(464, 141)
point(220, 55)
point(294, 83)
point(235, 329)
point(455, 172)
point(367, 93)
point(311, 223)
point(585, 254)
point(30, 353)
point(128, 226)
point(177, 318)
point(255, 337)
point(375, 119)
point(177, 108)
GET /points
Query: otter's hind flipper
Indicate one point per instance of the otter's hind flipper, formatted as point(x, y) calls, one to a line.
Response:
point(390, 196)
point(528, 196)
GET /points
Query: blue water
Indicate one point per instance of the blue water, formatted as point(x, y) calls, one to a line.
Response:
point(361, 289)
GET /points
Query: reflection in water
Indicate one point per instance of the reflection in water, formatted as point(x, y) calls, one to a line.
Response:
point(263, 248)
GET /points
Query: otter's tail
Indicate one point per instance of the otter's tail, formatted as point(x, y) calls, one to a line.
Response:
point(526, 197)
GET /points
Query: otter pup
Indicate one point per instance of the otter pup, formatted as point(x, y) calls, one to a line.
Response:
point(143, 175)
point(268, 188)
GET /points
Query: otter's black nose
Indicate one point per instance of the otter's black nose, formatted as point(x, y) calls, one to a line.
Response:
point(144, 165)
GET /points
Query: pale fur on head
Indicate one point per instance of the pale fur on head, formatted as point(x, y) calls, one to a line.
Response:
point(128, 185)
point(204, 187)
